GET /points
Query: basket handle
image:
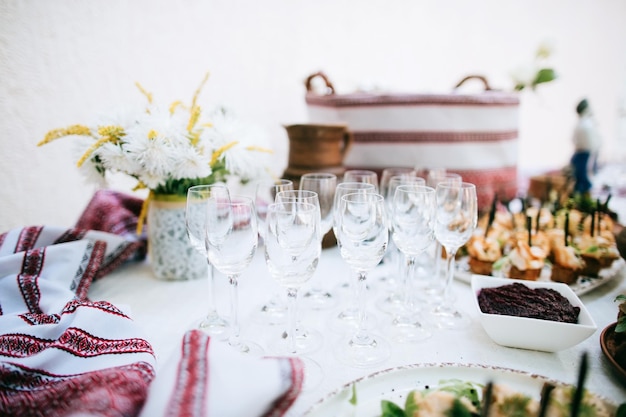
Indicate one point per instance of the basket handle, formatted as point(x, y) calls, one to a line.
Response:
point(329, 86)
point(475, 77)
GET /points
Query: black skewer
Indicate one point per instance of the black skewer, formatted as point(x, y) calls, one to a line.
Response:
point(580, 385)
point(546, 390)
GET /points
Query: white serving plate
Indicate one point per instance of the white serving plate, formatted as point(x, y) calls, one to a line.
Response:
point(394, 385)
point(529, 333)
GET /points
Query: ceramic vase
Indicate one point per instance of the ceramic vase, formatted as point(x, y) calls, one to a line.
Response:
point(170, 253)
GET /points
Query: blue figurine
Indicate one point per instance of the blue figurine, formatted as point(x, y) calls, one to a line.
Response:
point(586, 140)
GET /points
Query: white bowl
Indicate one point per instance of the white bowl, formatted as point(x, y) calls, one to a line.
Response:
point(534, 334)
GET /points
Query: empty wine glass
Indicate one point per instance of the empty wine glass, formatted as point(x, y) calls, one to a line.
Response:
point(309, 339)
point(196, 223)
point(457, 215)
point(362, 239)
point(233, 237)
point(361, 175)
point(324, 185)
point(292, 252)
point(393, 301)
point(388, 173)
point(348, 316)
point(412, 218)
point(434, 177)
point(274, 311)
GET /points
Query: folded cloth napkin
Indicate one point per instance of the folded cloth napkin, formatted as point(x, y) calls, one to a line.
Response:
point(62, 354)
point(115, 212)
point(209, 378)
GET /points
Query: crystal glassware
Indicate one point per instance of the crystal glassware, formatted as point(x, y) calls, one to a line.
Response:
point(456, 218)
point(274, 310)
point(362, 238)
point(324, 185)
point(196, 223)
point(412, 219)
point(292, 253)
point(361, 175)
point(232, 235)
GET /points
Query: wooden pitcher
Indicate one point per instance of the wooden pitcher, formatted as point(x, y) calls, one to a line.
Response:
point(317, 147)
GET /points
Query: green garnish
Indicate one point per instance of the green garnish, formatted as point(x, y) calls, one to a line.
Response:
point(391, 409)
point(353, 399)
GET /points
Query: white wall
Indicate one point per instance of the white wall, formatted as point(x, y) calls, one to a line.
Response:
point(63, 62)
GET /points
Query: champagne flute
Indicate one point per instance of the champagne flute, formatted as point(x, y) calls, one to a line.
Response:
point(457, 215)
point(362, 239)
point(433, 178)
point(324, 185)
point(361, 175)
point(412, 217)
point(233, 237)
point(308, 339)
point(196, 223)
point(348, 316)
point(292, 252)
point(394, 300)
point(274, 311)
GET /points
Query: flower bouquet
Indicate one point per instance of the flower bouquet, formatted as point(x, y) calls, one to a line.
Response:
point(167, 150)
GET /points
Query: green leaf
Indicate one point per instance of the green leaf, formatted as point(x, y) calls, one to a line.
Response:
point(621, 325)
point(621, 411)
point(621, 297)
point(353, 399)
point(544, 75)
point(410, 406)
point(391, 409)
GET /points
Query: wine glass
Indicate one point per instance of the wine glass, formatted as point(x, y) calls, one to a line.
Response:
point(361, 175)
point(362, 239)
point(309, 339)
point(196, 223)
point(292, 252)
point(388, 173)
point(324, 185)
point(349, 315)
point(412, 218)
point(457, 215)
point(393, 301)
point(274, 311)
point(232, 234)
point(433, 178)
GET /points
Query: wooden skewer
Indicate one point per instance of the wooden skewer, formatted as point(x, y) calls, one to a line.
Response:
point(546, 390)
point(484, 412)
point(580, 385)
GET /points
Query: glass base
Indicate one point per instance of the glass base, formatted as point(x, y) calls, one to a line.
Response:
point(448, 317)
point(318, 299)
point(347, 320)
point(307, 341)
point(271, 313)
point(363, 352)
point(214, 326)
point(247, 347)
point(408, 329)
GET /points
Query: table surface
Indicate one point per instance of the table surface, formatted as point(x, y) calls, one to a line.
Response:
point(166, 309)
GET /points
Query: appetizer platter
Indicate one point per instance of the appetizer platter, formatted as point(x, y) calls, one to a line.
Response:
point(572, 245)
point(372, 395)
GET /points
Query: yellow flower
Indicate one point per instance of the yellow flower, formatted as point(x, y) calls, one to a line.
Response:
point(80, 130)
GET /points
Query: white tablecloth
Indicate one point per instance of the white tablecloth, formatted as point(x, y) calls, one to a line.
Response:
point(165, 310)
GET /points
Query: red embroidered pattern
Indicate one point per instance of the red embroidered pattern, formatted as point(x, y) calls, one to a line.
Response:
point(188, 395)
point(35, 319)
point(105, 306)
point(71, 235)
point(74, 341)
point(296, 379)
point(28, 277)
point(85, 275)
point(118, 391)
point(28, 237)
point(418, 137)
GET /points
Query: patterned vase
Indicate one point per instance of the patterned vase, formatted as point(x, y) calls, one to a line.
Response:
point(169, 250)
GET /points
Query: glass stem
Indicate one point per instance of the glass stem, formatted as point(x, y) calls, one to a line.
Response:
point(292, 296)
point(409, 276)
point(212, 310)
point(361, 334)
point(447, 289)
point(234, 309)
